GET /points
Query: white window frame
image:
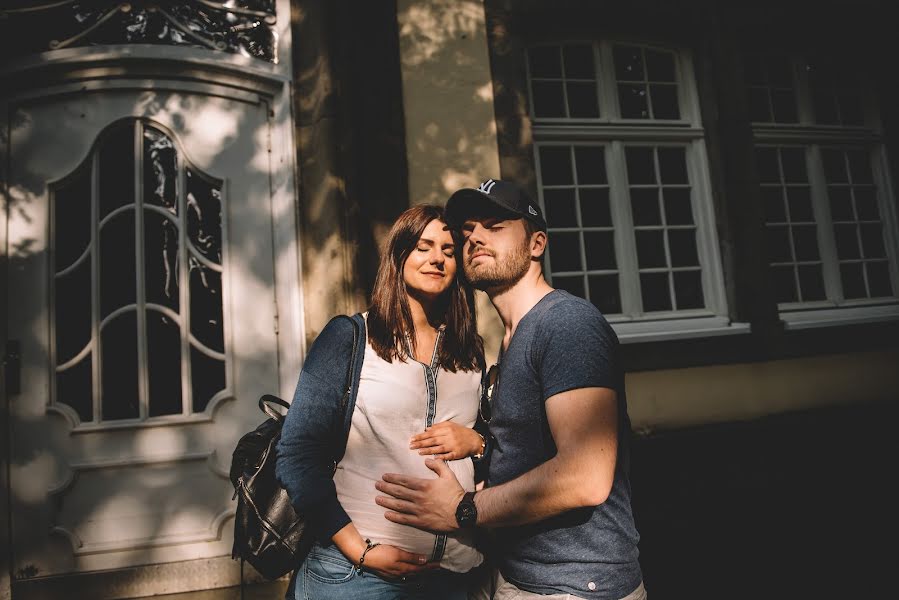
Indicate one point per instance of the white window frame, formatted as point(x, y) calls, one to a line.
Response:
point(614, 134)
point(835, 310)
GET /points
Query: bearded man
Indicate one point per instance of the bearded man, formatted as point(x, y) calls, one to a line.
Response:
point(557, 500)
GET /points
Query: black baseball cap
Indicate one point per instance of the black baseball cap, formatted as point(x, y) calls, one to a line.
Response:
point(506, 196)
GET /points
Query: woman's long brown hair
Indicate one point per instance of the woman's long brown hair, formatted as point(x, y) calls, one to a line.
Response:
point(389, 317)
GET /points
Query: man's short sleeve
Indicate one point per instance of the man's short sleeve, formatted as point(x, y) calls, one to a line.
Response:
point(575, 348)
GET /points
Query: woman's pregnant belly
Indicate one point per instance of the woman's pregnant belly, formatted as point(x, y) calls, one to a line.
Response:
point(356, 491)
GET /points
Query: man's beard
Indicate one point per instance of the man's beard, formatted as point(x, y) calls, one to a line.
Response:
point(502, 274)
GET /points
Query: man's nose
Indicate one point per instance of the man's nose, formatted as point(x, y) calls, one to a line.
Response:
point(476, 236)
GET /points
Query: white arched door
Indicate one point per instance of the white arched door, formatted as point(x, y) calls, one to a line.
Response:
point(142, 302)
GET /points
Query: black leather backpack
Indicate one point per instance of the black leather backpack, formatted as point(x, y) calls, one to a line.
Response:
point(268, 532)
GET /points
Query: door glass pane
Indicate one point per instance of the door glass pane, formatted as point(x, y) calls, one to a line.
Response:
point(116, 167)
point(74, 388)
point(73, 312)
point(206, 305)
point(117, 264)
point(207, 378)
point(160, 171)
point(164, 357)
point(120, 394)
point(204, 216)
point(161, 260)
point(126, 385)
point(72, 217)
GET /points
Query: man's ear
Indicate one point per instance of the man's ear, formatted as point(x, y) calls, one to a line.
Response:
point(538, 244)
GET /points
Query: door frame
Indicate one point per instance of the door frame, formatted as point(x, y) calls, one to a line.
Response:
point(150, 67)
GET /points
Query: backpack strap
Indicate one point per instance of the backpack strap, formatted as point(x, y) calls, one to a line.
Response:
point(351, 387)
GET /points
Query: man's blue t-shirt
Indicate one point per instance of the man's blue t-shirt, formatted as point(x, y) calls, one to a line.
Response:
point(562, 343)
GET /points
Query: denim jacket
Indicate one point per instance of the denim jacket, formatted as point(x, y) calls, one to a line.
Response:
point(313, 437)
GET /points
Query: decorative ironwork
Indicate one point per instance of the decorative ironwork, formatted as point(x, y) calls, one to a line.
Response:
point(236, 26)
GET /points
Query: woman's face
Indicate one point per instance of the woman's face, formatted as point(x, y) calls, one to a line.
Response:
point(431, 266)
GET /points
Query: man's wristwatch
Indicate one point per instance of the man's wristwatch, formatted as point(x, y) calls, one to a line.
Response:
point(467, 512)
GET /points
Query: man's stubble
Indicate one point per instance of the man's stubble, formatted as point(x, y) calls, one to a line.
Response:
point(502, 274)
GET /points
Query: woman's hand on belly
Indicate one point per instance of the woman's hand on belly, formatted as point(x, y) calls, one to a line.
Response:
point(447, 441)
point(383, 559)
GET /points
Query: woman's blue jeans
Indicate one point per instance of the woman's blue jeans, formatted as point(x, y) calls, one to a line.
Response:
point(326, 574)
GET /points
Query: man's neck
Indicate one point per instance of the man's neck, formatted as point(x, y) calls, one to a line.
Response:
point(514, 303)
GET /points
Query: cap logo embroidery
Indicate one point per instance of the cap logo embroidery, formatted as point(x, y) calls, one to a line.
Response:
point(531, 210)
point(486, 186)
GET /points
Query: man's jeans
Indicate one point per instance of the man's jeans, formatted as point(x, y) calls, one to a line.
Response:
point(326, 574)
point(498, 588)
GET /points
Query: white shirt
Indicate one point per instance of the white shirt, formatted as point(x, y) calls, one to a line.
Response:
point(394, 403)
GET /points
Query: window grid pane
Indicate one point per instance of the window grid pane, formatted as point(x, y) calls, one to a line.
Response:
point(835, 92)
point(664, 231)
point(643, 83)
point(857, 224)
point(575, 194)
point(562, 81)
point(792, 243)
point(770, 89)
point(647, 83)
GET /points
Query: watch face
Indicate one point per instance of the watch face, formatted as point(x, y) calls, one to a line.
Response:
point(466, 513)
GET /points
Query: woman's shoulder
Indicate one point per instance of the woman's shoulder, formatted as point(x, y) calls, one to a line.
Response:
point(336, 337)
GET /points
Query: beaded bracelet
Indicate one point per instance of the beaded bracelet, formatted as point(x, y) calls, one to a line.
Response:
point(368, 546)
point(480, 454)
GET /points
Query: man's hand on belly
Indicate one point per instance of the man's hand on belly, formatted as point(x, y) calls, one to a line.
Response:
point(428, 504)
